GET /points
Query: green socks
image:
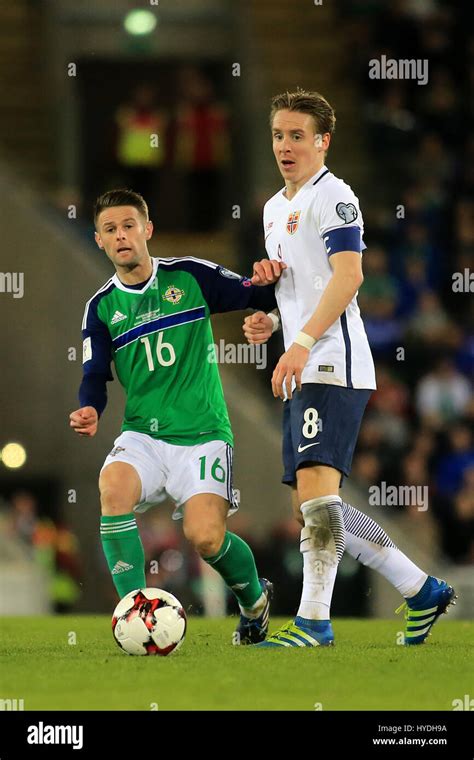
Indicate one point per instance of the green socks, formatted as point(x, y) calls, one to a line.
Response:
point(236, 565)
point(126, 560)
point(124, 552)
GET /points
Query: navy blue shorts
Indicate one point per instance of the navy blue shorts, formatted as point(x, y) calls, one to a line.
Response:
point(321, 425)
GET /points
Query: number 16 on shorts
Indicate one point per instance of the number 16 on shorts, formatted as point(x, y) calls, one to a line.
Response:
point(215, 471)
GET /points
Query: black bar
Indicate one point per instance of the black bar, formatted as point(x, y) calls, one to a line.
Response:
point(145, 734)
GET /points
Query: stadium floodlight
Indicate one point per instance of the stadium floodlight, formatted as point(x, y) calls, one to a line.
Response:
point(140, 22)
point(13, 455)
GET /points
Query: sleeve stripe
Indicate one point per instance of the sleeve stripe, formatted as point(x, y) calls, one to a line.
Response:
point(209, 264)
point(348, 349)
point(86, 310)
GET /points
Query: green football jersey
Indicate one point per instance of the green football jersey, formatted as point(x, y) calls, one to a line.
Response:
point(159, 336)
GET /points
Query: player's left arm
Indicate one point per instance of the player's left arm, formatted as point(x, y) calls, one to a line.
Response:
point(240, 293)
point(225, 290)
point(340, 290)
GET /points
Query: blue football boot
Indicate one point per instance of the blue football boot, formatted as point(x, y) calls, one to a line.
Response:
point(424, 609)
point(302, 633)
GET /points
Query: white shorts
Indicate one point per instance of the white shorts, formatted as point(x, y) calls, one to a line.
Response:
point(178, 472)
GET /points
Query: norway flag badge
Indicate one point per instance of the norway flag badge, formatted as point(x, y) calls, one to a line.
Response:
point(292, 222)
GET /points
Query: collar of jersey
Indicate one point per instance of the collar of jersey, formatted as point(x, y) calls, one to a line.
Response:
point(312, 180)
point(118, 284)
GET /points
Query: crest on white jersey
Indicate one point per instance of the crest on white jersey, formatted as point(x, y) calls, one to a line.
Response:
point(292, 222)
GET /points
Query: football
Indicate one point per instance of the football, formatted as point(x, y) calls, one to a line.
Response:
point(149, 621)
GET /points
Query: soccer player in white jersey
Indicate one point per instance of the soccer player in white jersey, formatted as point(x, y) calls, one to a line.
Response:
point(314, 237)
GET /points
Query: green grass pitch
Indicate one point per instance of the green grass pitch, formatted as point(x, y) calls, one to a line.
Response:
point(366, 670)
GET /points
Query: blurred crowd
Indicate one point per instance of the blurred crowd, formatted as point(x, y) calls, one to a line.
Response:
point(416, 299)
point(193, 140)
point(173, 146)
point(47, 543)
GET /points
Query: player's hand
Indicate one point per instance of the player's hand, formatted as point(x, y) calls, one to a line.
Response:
point(84, 421)
point(291, 364)
point(257, 327)
point(267, 271)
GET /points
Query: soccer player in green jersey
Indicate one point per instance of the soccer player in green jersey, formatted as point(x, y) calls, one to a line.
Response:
point(152, 319)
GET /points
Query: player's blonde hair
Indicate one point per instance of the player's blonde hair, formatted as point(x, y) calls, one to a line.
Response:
point(306, 101)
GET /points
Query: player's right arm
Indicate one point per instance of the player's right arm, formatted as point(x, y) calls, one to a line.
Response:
point(84, 421)
point(259, 326)
point(97, 355)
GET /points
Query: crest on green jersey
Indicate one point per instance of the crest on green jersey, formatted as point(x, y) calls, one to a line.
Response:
point(173, 294)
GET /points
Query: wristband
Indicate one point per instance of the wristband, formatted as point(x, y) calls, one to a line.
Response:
point(275, 321)
point(305, 340)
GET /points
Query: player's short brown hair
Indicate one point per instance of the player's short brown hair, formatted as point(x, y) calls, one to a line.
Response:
point(309, 102)
point(120, 197)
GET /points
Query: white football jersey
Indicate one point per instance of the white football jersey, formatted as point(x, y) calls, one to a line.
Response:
point(321, 219)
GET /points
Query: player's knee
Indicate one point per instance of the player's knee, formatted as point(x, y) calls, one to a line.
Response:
point(315, 481)
point(207, 540)
point(120, 489)
point(113, 500)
